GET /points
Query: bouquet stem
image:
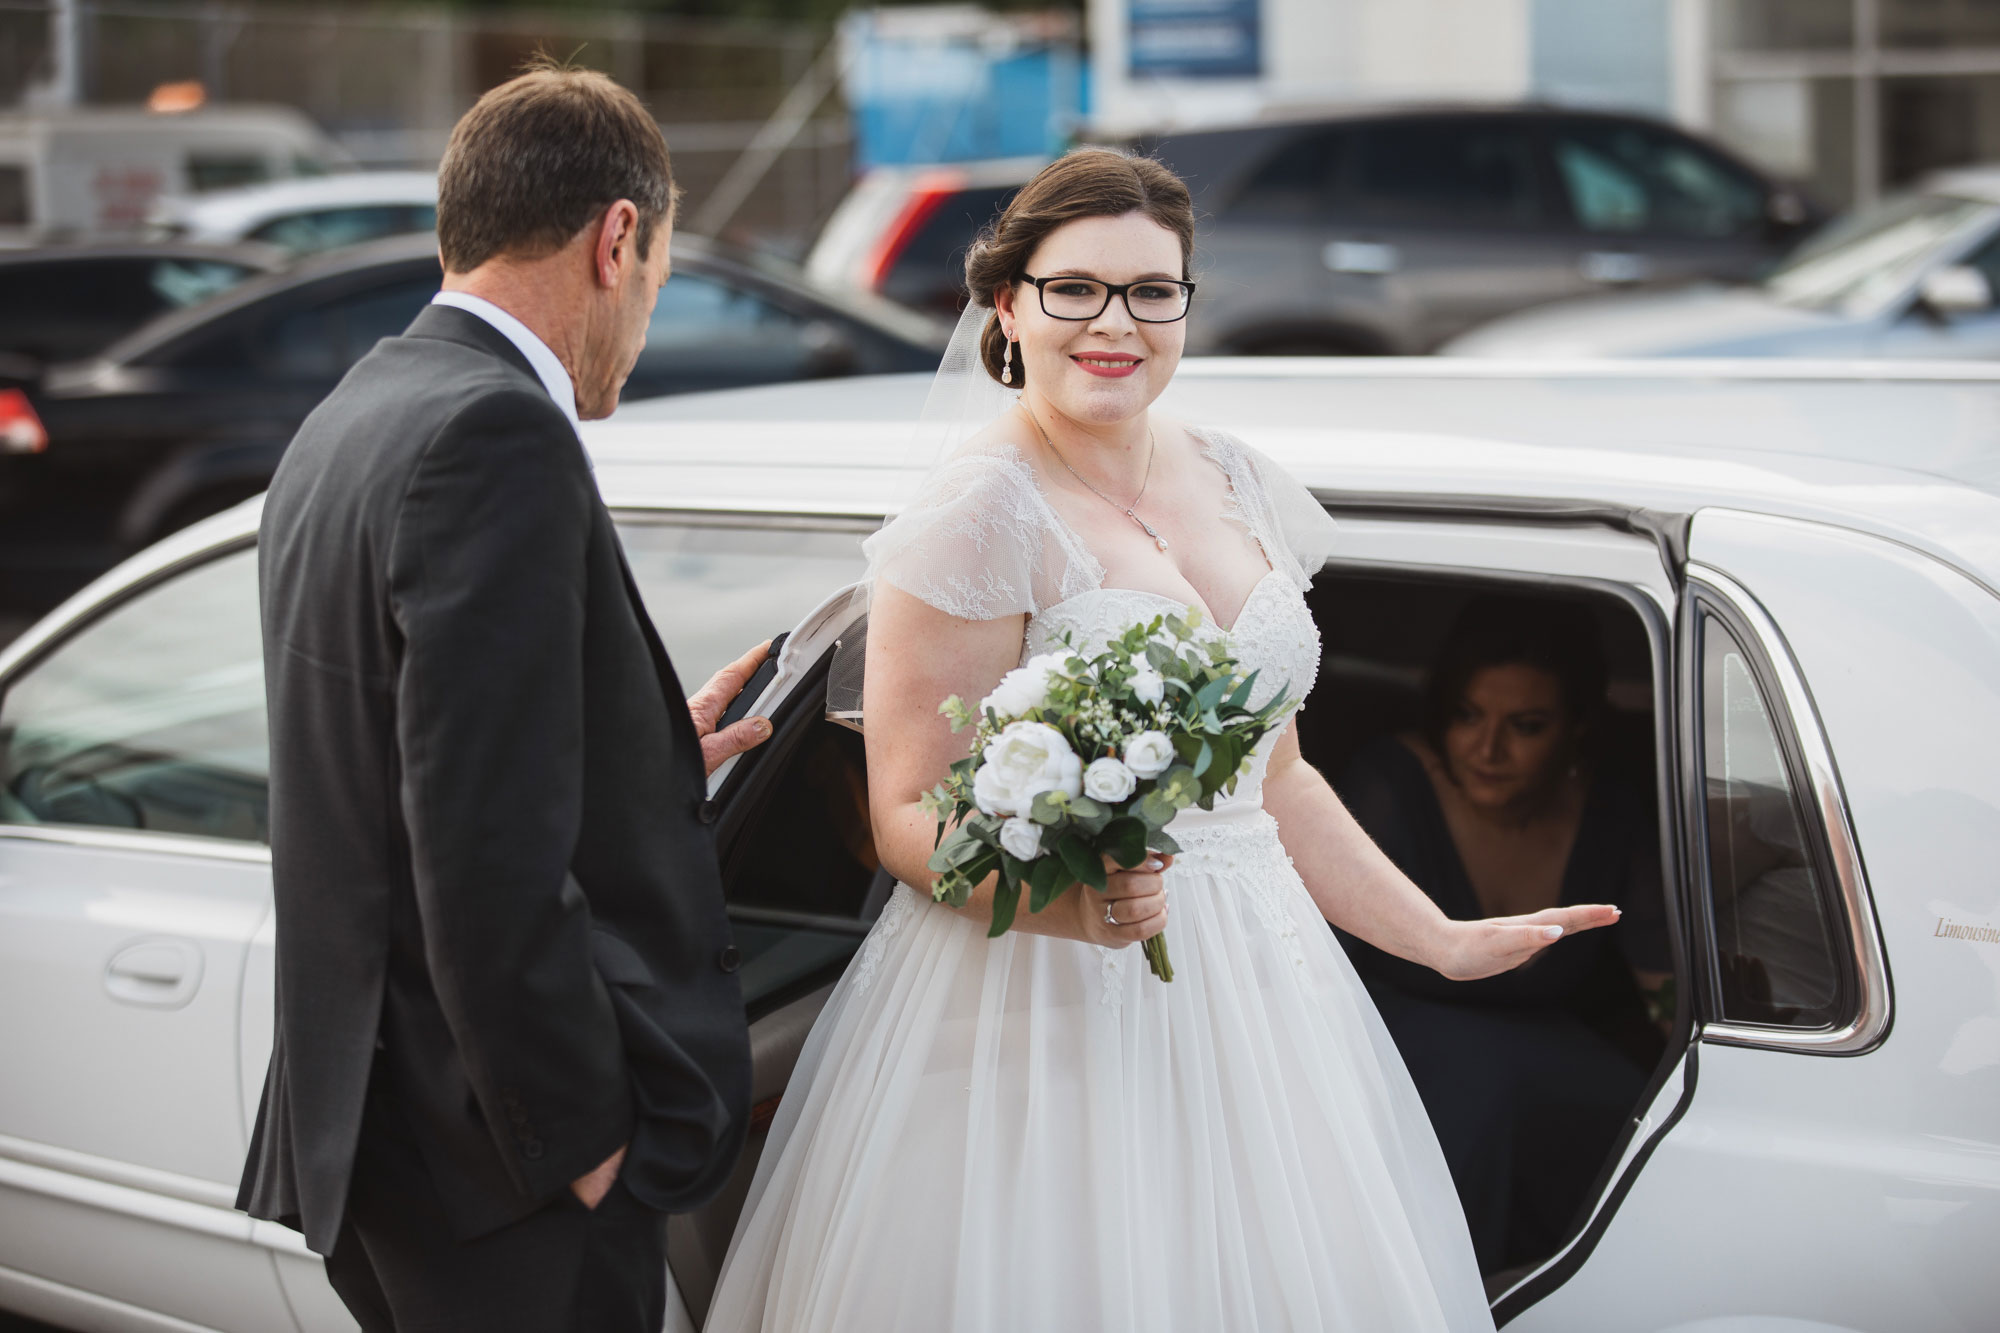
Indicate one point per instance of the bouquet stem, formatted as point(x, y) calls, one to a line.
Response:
point(1156, 954)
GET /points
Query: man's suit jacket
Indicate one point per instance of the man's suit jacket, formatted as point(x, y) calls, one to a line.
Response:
point(496, 884)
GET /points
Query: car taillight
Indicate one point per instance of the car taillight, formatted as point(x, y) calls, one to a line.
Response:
point(20, 429)
point(928, 193)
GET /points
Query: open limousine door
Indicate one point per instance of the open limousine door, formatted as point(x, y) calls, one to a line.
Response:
point(804, 886)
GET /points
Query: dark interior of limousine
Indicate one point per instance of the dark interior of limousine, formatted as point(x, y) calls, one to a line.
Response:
point(1531, 1079)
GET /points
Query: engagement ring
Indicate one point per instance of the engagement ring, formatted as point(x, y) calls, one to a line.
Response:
point(1109, 919)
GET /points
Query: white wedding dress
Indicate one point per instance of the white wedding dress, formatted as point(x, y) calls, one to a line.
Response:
point(1035, 1134)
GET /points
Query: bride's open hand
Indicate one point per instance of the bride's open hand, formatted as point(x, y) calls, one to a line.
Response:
point(1474, 949)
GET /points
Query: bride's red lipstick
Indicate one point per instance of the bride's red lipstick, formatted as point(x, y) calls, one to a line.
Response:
point(1128, 364)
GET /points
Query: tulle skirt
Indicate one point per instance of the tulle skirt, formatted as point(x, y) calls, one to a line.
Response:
point(1036, 1134)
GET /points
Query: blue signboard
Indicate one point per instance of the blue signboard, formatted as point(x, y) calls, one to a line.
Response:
point(1195, 39)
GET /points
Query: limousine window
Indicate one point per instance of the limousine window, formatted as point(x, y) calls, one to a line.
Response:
point(717, 586)
point(151, 717)
point(1775, 942)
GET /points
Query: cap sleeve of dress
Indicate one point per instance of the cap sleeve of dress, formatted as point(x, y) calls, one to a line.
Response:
point(1293, 528)
point(979, 541)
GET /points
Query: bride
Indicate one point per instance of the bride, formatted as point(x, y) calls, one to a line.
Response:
point(1032, 1132)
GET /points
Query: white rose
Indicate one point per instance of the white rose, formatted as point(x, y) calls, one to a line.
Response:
point(989, 793)
point(1149, 754)
point(1108, 779)
point(1019, 764)
point(1148, 685)
point(1022, 838)
point(1025, 687)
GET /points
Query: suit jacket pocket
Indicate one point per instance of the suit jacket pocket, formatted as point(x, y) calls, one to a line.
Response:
point(683, 1122)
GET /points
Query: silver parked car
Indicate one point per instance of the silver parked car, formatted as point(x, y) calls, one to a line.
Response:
point(1800, 609)
point(304, 217)
point(1916, 275)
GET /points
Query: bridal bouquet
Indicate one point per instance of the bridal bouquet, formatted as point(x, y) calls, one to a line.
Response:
point(1078, 758)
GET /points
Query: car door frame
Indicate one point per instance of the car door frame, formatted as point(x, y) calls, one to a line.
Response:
point(1670, 1086)
point(1815, 787)
point(1815, 784)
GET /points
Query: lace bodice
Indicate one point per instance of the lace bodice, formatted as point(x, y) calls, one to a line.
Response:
point(981, 539)
point(1274, 635)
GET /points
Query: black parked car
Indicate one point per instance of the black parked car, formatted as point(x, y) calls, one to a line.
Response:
point(190, 414)
point(1375, 231)
point(59, 303)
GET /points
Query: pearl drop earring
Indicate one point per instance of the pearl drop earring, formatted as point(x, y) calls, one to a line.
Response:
point(1007, 364)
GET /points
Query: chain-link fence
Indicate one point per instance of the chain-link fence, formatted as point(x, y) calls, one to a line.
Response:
point(389, 86)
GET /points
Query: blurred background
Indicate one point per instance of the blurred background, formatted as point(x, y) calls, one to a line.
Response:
point(209, 210)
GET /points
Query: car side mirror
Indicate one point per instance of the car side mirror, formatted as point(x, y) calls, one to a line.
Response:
point(1955, 290)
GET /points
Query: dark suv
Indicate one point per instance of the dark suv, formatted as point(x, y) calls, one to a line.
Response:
point(1380, 231)
point(1389, 233)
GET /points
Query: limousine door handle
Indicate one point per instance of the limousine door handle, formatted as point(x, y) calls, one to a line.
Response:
point(157, 973)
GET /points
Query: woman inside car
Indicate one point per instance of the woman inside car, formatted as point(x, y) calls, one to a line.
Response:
point(1496, 806)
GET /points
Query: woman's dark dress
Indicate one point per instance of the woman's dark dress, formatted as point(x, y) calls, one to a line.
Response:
point(1528, 1076)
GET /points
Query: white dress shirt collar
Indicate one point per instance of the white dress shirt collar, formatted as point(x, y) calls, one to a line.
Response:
point(547, 368)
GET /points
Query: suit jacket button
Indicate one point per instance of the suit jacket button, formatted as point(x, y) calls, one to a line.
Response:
point(729, 959)
point(707, 812)
point(532, 1149)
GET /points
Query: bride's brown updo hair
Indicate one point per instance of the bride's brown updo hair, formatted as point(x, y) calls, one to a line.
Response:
point(1086, 183)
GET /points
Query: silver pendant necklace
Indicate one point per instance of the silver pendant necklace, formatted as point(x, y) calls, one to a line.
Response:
point(1152, 448)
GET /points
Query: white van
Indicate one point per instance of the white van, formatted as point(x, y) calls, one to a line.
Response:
point(99, 169)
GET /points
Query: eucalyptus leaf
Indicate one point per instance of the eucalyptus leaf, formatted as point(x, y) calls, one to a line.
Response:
point(1157, 809)
point(1049, 872)
point(1085, 865)
point(1124, 840)
point(1005, 901)
point(1046, 882)
point(1240, 697)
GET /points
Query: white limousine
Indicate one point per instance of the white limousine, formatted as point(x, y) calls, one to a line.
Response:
point(1795, 572)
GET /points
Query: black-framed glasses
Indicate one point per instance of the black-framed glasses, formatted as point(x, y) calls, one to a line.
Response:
point(1151, 300)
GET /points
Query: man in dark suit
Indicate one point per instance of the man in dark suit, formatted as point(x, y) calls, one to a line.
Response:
point(509, 1037)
